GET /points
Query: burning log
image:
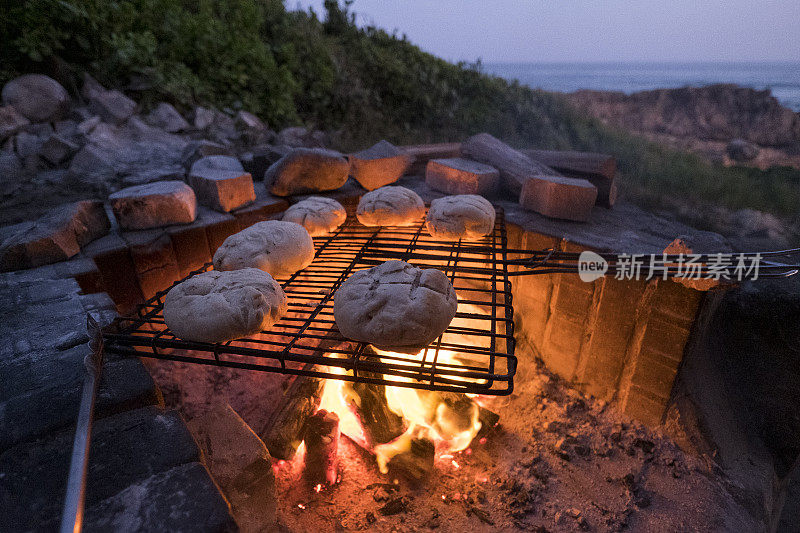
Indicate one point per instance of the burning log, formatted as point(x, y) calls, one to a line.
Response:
point(322, 448)
point(369, 403)
point(285, 430)
point(410, 456)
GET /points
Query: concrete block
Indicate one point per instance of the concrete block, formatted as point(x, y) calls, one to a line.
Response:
point(152, 205)
point(222, 190)
point(462, 176)
point(559, 197)
point(379, 165)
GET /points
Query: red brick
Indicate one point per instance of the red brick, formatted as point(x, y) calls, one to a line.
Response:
point(114, 261)
point(262, 209)
point(154, 260)
point(190, 244)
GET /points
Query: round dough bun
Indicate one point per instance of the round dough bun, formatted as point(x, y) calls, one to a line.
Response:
point(395, 306)
point(318, 215)
point(221, 306)
point(463, 216)
point(278, 248)
point(390, 206)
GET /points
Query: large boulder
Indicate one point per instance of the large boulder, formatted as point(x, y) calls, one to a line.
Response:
point(305, 170)
point(37, 97)
point(379, 165)
point(10, 122)
point(167, 118)
point(154, 204)
point(56, 236)
point(10, 172)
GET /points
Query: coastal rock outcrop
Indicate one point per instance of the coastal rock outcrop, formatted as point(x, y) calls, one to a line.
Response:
point(716, 112)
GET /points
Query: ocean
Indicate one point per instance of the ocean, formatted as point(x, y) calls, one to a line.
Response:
point(783, 79)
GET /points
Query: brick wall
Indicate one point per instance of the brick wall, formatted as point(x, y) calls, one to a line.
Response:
point(617, 340)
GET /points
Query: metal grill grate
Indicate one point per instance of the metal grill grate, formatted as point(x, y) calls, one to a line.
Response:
point(475, 354)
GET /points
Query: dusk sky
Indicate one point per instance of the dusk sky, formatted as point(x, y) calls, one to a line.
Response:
point(590, 30)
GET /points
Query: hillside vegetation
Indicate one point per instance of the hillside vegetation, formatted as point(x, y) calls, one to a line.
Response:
point(294, 67)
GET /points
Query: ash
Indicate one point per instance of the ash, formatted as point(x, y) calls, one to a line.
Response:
point(557, 461)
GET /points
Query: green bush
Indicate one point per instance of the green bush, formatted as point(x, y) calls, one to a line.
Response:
point(366, 84)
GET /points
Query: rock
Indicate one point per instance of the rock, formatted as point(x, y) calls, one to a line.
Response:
point(85, 127)
point(126, 449)
point(259, 159)
point(202, 118)
point(381, 164)
point(67, 128)
point(155, 204)
point(167, 118)
point(112, 106)
point(57, 236)
point(156, 174)
point(240, 464)
point(216, 162)
point(27, 144)
point(559, 197)
point(461, 176)
point(91, 87)
point(162, 503)
point(37, 97)
point(92, 165)
point(10, 122)
point(714, 112)
point(56, 149)
point(125, 150)
point(251, 128)
point(197, 149)
point(305, 170)
point(741, 151)
point(10, 171)
point(299, 137)
point(223, 190)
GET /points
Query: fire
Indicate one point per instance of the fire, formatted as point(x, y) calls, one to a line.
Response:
point(450, 420)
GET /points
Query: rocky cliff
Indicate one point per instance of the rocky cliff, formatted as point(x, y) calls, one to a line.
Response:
point(711, 113)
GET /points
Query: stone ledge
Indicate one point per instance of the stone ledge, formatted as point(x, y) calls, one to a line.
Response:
point(126, 449)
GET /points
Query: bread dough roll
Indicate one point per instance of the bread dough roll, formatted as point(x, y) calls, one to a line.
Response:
point(278, 248)
point(462, 216)
point(221, 306)
point(390, 206)
point(395, 306)
point(318, 215)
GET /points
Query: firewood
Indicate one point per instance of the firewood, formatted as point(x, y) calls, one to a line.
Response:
point(489, 420)
point(285, 430)
point(414, 462)
point(515, 167)
point(380, 423)
point(599, 169)
point(322, 448)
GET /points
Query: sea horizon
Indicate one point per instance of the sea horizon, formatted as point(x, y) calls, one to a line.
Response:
point(782, 78)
